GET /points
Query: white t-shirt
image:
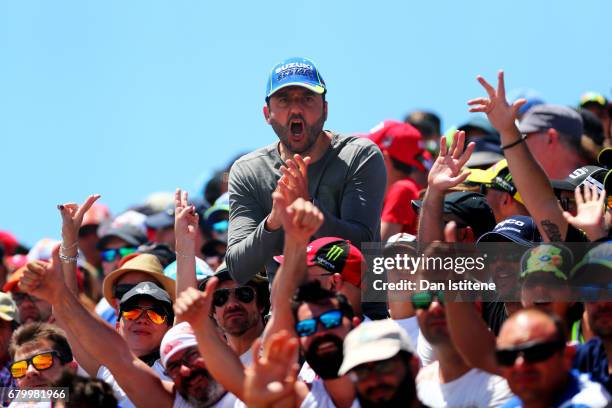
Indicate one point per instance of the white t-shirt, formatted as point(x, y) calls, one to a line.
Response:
point(474, 389)
point(123, 400)
point(318, 397)
point(411, 327)
point(228, 401)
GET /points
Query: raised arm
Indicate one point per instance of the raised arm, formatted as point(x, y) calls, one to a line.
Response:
point(194, 307)
point(185, 230)
point(250, 243)
point(445, 173)
point(100, 341)
point(300, 220)
point(72, 218)
point(527, 174)
point(473, 339)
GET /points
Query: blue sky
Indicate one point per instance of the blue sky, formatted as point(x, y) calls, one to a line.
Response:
point(124, 98)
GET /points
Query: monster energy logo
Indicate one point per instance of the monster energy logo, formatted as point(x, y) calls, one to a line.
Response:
point(334, 253)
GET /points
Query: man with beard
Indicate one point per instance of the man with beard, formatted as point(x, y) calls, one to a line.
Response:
point(192, 387)
point(592, 356)
point(319, 317)
point(238, 311)
point(443, 382)
point(530, 353)
point(343, 176)
point(378, 358)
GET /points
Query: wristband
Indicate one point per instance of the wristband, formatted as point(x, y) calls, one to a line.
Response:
point(509, 145)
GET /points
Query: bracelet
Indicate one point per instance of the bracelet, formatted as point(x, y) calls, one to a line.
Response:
point(509, 145)
point(74, 244)
point(67, 259)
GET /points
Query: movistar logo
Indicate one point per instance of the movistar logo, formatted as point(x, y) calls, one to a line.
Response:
point(334, 253)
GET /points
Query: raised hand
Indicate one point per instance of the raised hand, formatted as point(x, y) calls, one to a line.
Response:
point(271, 378)
point(294, 182)
point(300, 220)
point(185, 224)
point(446, 171)
point(194, 306)
point(590, 214)
point(72, 218)
point(44, 280)
point(500, 113)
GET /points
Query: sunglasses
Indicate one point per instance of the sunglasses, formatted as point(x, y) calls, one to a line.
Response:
point(329, 320)
point(383, 367)
point(245, 294)
point(109, 255)
point(423, 300)
point(40, 361)
point(19, 297)
point(155, 314)
point(187, 360)
point(533, 352)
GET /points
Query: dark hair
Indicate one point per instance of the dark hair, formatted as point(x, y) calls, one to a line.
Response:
point(402, 167)
point(312, 292)
point(86, 392)
point(37, 331)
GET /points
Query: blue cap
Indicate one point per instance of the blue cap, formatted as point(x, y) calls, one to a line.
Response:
point(520, 229)
point(295, 71)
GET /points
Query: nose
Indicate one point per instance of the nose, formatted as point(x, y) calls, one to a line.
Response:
point(32, 371)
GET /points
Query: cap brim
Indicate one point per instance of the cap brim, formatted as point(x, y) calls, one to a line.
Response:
point(167, 283)
point(503, 237)
point(384, 349)
point(318, 89)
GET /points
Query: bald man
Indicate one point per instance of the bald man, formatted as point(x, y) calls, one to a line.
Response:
point(530, 353)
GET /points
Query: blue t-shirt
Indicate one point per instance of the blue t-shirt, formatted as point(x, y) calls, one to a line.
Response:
point(580, 392)
point(591, 358)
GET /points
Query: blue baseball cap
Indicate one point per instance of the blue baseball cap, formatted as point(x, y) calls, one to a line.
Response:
point(520, 229)
point(295, 71)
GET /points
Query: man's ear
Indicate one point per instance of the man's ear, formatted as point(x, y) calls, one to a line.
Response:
point(338, 282)
point(324, 111)
point(266, 113)
point(552, 135)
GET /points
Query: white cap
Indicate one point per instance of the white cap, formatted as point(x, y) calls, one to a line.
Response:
point(373, 341)
point(176, 339)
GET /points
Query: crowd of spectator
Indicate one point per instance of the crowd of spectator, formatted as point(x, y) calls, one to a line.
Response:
point(257, 292)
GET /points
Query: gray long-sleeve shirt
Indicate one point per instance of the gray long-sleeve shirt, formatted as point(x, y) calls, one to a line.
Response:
point(348, 185)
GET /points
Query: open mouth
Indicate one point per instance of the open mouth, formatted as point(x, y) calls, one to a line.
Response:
point(297, 127)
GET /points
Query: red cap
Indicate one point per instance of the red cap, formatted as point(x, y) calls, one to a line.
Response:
point(336, 255)
point(9, 242)
point(403, 142)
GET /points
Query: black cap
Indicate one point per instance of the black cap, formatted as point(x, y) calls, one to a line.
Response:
point(585, 174)
point(148, 289)
point(471, 208)
point(131, 234)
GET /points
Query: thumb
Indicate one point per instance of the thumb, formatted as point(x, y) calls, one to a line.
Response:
point(55, 259)
point(517, 105)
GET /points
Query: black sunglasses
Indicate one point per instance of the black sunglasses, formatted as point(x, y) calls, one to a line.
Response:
point(245, 294)
point(532, 351)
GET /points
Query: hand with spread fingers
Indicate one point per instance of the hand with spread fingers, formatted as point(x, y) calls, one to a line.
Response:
point(186, 221)
point(301, 219)
point(44, 280)
point(446, 171)
point(501, 114)
point(590, 214)
point(270, 380)
point(72, 218)
point(193, 306)
point(294, 181)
